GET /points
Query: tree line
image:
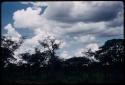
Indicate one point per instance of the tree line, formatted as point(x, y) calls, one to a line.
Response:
point(110, 60)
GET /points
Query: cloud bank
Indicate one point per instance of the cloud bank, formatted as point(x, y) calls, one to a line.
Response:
point(79, 24)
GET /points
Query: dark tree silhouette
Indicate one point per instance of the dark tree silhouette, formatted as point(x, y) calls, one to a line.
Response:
point(7, 48)
point(76, 63)
point(112, 52)
point(44, 65)
point(51, 45)
point(35, 60)
point(47, 58)
point(89, 53)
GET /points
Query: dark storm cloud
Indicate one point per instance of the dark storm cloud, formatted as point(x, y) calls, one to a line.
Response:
point(119, 21)
point(101, 12)
point(109, 34)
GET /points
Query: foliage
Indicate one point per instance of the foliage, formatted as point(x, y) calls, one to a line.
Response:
point(7, 48)
point(111, 52)
point(46, 67)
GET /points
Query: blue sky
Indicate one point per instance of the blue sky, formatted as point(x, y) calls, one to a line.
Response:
point(80, 25)
point(8, 8)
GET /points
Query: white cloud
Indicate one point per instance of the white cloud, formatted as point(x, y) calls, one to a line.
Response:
point(93, 46)
point(86, 21)
point(28, 18)
point(29, 44)
point(85, 39)
point(12, 33)
point(65, 55)
point(79, 52)
point(23, 18)
point(32, 19)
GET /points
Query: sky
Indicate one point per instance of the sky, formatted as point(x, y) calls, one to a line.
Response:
point(78, 25)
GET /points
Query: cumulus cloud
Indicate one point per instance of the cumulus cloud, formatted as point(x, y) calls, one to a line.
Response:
point(80, 27)
point(93, 46)
point(84, 11)
point(32, 19)
point(12, 33)
point(81, 52)
point(28, 18)
point(30, 44)
point(78, 24)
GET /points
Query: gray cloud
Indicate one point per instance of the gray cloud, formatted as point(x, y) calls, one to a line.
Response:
point(90, 12)
point(79, 25)
point(118, 21)
point(107, 32)
point(111, 32)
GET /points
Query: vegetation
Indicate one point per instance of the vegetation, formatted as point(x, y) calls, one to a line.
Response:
point(47, 68)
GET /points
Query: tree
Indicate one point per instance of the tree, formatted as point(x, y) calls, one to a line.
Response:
point(7, 48)
point(45, 58)
point(37, 60)
point(51, 45)
point(89, 53)
point(76, 63)
point(111, 52)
